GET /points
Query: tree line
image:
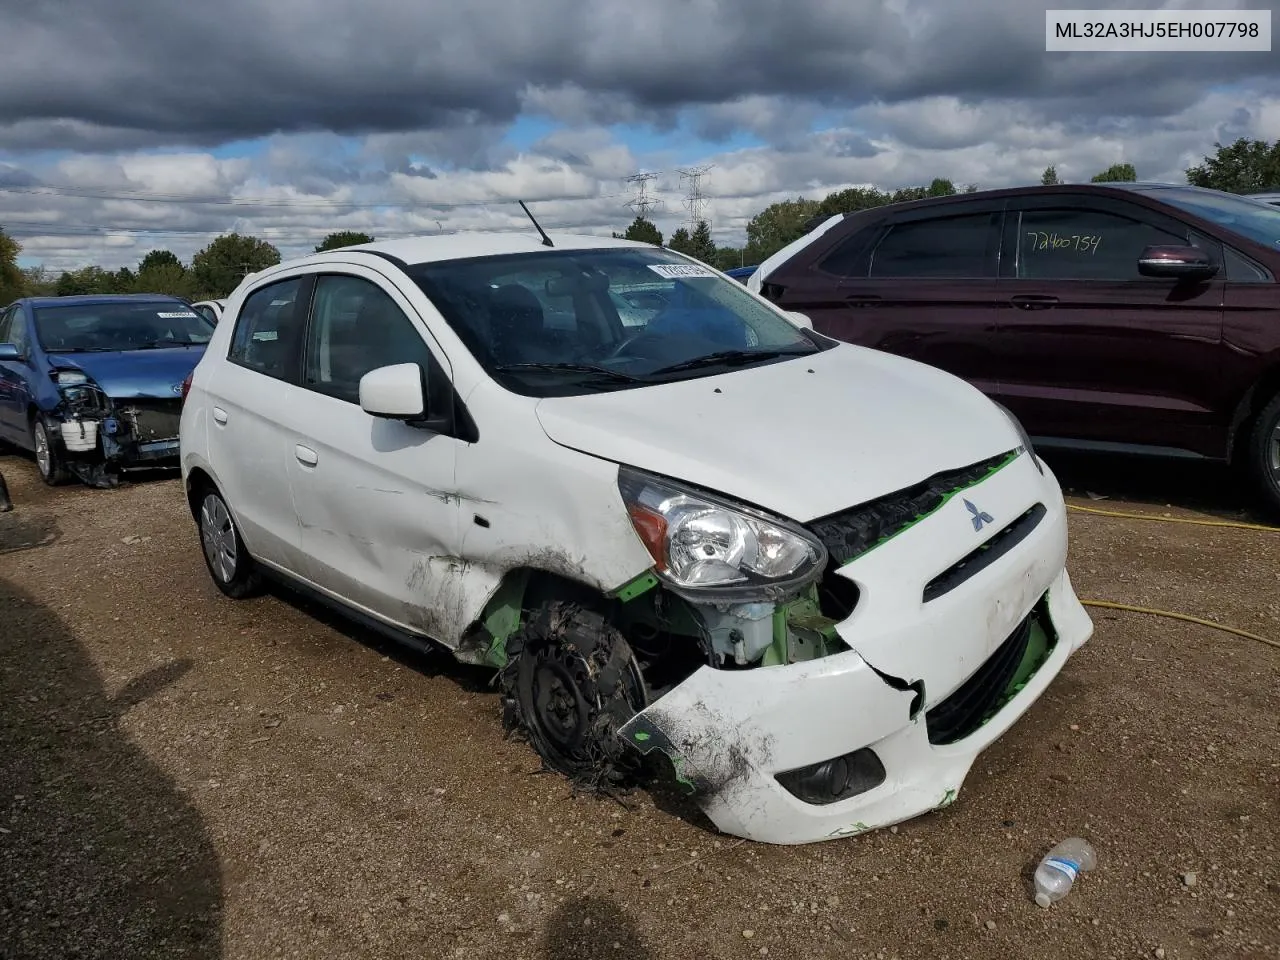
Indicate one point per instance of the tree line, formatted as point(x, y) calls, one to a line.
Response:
point(1245, 166)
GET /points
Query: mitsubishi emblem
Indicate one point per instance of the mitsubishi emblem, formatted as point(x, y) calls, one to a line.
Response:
point(979, 517)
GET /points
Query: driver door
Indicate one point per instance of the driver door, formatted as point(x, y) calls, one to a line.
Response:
point(375, 497)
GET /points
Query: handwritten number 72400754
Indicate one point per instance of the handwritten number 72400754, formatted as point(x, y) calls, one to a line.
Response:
point(1077, 242)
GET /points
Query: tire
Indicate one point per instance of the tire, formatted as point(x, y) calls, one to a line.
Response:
point(228, 562)
point(570, 682)
point(1263, 459)
point(49, 459)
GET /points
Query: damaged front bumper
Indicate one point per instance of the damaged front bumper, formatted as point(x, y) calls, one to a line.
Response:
point(101, 435)
point(888, 729)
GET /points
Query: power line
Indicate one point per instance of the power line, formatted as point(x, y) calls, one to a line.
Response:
point(696, 201)
point(643, 202)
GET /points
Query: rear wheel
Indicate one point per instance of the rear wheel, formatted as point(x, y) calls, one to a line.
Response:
point(1264, 454)
point(229, 563)
point(571, 681)
point(49, 459)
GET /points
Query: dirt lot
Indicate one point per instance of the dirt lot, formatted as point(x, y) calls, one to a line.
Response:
point(186, 776)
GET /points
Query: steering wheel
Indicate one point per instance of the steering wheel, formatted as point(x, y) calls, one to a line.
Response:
point(620, 350)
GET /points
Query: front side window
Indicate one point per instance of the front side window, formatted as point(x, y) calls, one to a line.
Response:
point(1254, 219)
point(113, 326)
point(268, 329)
point(356, 327)
point(570, 321)
point(959, 247)
point(1078, 243)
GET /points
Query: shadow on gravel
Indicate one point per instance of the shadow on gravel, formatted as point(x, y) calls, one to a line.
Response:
point(592, 927)
point(23, 530)
point(100, 854)
point(1194, 485)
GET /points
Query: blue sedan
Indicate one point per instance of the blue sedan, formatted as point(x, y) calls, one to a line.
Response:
point(741, 273)
point(93, 385)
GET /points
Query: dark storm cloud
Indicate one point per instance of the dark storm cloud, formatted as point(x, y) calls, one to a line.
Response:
point(142, 71)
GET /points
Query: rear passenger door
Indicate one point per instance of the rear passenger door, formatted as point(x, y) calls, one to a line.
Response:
point(15, 392)
point(921, 284)
point(1093, 351)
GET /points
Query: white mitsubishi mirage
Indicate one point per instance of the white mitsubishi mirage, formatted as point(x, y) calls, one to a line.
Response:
point(679, 524)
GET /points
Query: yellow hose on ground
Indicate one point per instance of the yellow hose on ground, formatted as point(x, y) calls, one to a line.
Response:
point(1179, 616)
point(1194, 521)
point(1187, 618)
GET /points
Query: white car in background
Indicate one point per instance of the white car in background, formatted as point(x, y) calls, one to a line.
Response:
point(818, 578)
point(211, 310)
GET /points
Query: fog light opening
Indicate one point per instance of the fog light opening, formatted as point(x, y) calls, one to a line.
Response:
point(839, 778)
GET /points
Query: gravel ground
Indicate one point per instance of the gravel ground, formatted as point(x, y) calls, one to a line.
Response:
point(186, 776)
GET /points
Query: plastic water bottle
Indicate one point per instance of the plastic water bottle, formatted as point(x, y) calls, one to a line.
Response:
point(1058, 869)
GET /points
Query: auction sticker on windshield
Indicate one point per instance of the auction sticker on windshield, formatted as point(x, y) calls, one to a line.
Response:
point(175, 315)
point(678, 271)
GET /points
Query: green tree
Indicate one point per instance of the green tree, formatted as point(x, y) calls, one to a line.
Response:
point(777, 225)
point(729, 257)
point(642, 230)
point(158, 258)
point(343, 238)
point(87, 280)
point(38, 282)
point(1050, 176)
point(681, 242)
point(13, 284)
point(219, 267)
point(1246, 166)
point(851, 201)
point(171, 279)
point(702, 247)
point(1117, 173)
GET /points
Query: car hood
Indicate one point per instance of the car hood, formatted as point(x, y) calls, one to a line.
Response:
point(134, 373)
point(804, 437)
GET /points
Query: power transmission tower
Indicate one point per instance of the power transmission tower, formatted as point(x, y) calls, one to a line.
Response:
point(696, 201)
point(643, 201)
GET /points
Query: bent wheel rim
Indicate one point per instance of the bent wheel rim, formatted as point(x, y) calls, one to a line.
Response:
point(44, 457)
point(218, 535)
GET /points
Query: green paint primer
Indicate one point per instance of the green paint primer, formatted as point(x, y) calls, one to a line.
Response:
point(641, 736)
point(502, 617)
point(995, 468)
point(637, 587)
point(948, 799)
point(1039, 645)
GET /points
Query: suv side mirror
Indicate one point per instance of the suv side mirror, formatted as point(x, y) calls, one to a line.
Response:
point(10, 351)
point(1176, 263)
point(799, 319)
point(394, 393)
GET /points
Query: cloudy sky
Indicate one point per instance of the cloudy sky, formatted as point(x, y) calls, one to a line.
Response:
point(133, 124)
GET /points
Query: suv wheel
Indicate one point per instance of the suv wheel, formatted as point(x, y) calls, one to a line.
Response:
point(49, 459)
point(571, 681)
point(229, 563)
point(1264, 453)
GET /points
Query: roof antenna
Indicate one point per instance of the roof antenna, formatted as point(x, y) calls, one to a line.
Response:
point(546, 241)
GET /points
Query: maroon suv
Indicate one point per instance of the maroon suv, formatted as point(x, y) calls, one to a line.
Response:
point(1134, 317)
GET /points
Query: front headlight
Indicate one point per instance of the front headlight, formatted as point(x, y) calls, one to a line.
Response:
point(703, 544)
point(1022, 434)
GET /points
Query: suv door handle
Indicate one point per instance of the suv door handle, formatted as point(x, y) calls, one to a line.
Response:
point(862, 300)
point(1033, 302)
point(306, 455)
point(219, 415)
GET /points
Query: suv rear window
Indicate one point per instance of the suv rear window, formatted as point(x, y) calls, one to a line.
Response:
point(959, 247)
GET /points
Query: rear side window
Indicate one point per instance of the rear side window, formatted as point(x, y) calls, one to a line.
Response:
point(950, 247)
point(1084, 244)
point(268, 330)
point(6, 319)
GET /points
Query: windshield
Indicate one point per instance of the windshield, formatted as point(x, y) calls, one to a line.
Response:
point(119, 326)
point(559, 322)
point(1258, 221)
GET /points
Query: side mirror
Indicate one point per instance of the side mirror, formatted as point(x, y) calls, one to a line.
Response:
point(10, 351)
point(394, 393)
point(799, 319)
point(1176, 263)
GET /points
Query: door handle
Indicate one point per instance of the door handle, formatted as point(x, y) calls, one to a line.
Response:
point(1033, 302)
point(219, 415)
point(306, 455)
point(862, 300)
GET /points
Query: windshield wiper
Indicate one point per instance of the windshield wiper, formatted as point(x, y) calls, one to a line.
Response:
point(728, 358)
point(571, 368)
point(167, 342)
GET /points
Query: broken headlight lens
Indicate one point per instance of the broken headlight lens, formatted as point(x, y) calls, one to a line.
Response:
point(700, 542)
